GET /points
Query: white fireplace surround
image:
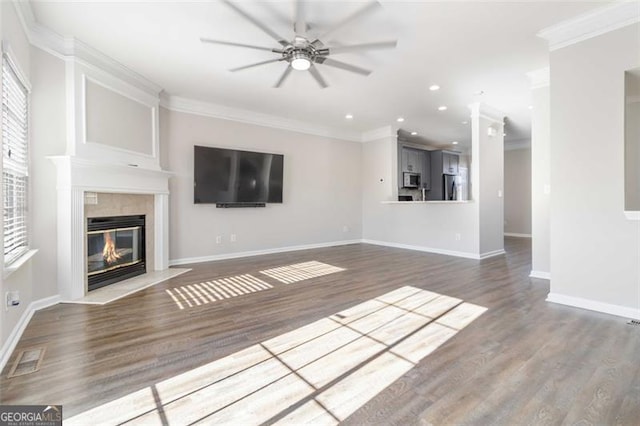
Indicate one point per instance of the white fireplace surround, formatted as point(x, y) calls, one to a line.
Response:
point(75, 177)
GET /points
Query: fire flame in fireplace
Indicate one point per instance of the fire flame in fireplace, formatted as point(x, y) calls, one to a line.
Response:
point(109, 252)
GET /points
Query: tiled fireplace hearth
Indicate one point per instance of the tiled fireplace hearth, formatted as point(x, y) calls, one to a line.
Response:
point(117, 185)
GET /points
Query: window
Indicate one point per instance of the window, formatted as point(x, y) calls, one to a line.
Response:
point(15, 160)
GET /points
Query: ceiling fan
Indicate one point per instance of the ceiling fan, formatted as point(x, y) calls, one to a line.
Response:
point(303, 53)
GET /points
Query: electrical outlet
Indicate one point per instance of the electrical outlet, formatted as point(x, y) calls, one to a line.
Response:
point(546, 189)
point(458, 236)
point(233, 238)
point(345, 228)
point(12, 299)
point(499, 193)
point(218, 239)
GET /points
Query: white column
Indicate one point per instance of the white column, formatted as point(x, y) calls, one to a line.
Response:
point(487, 176)
point(540, 174)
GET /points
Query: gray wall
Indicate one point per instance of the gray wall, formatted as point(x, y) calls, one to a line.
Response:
point(322, 189)
point(595, 250)
point(517, 191)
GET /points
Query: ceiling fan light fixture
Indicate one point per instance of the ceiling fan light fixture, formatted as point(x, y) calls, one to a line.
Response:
point(300, 61)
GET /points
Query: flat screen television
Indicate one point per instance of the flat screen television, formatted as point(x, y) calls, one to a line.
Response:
point(229, 176)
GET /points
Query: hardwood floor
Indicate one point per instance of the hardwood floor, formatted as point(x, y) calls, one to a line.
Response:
point(523, 361)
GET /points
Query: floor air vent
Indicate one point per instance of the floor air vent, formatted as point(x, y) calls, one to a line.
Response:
point(28, 362)
point(634, 322)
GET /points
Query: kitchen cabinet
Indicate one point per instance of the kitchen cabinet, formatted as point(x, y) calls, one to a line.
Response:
point(450, 163)
point(414, 160)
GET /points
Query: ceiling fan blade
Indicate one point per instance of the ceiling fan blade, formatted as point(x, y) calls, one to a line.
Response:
point(231, 43)
point(342, 65)
point(300, 24)
point(257, 64)
point(316, 74)
point(358, 47)
point(284, 76)
point(257, 23)
point(360, 13)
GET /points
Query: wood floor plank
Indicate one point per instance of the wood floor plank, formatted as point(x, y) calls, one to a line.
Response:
point(522, 361)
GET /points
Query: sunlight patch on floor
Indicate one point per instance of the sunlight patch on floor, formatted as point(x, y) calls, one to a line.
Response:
point(320, 373)
point(301, 271)
point(191, 295)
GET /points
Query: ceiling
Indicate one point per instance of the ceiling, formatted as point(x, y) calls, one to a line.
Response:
point(464, 47)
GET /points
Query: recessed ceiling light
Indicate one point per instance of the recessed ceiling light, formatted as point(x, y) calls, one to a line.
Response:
point(454, 143)
point(465, 122)
point(349, 116)
point(442, 108)
point(414, 133)
point(530, 106)
point(400, 119)
point(434, 87)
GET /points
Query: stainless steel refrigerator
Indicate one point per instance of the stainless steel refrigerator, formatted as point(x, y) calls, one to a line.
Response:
point(451, 183)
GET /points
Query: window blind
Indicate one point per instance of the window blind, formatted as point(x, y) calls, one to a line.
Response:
point(15, 162)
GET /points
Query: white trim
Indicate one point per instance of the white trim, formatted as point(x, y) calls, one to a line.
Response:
point(540, 274)
point(17, 263)
point(66, 47)
point(593, 305)
point(16, 333)
point(492, 253)
point(632, 215)
point(515, 234)
point(483, 110)
point(463, 254)
point(380, 133)
point(15, 66)
point(209, 109)
point(539, 78)
point(591, 24)
point(216, 257)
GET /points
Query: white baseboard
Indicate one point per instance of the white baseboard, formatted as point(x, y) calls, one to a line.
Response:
point(491, 254)
point(593, 305)
point(16, 333)
point(540, 274)
point(215, 257)
point(514, 234)
point(425, 249)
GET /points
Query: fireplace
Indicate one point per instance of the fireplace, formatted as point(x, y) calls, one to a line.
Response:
point(115, 249)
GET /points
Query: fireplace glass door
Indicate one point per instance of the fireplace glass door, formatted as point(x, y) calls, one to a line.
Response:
point(115, 249)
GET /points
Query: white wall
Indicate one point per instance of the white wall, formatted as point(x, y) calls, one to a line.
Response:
point(540, 182)
point(595, 250)
point(517, 191)
point(422, 226)
point(21, 280)
point(48, 137)
point(322, 189)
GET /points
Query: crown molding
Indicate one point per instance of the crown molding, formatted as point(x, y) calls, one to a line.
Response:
point(479, 109)
point(591, 24)
point(67, 48)
point(209, 109)
point(539, 78)
point(380, 133)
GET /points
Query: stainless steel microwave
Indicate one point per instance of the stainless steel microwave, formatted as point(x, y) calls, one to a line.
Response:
point(410, 180)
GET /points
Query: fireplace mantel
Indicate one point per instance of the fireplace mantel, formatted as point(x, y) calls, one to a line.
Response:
point(76, 176)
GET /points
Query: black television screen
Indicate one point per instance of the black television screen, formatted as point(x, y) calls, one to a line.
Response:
point(231, 176)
